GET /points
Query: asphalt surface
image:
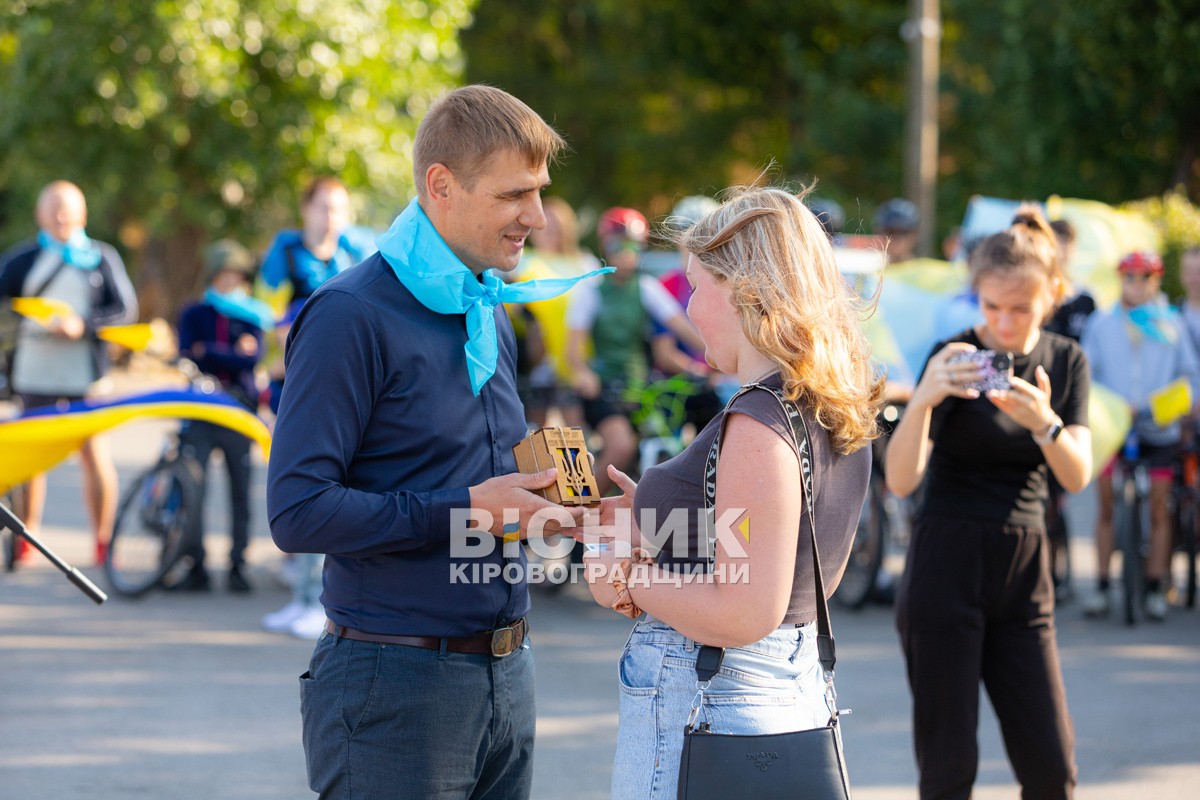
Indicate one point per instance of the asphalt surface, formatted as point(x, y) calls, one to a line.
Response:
point(184, 696)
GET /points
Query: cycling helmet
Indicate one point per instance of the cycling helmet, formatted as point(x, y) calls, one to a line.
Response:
point(1141, 262)
point(897, 216)
point(690, 210)
point(829, 213)
point(625, 223)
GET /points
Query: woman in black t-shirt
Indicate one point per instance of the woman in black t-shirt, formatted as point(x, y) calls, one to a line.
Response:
point(976, 602)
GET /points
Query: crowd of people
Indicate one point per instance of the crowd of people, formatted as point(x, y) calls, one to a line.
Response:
point(400, 378)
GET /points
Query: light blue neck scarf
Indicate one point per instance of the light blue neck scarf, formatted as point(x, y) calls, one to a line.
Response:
point(240, 305)
point(1154, 320)
point(428, 268)
point(77, 251)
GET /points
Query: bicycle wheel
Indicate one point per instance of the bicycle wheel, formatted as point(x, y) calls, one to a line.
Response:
point(157, 519)
point(1128, 518)
point(1187, 545)
point(866, 551)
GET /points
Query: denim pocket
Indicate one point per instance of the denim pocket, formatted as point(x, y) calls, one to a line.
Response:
point(639, 668)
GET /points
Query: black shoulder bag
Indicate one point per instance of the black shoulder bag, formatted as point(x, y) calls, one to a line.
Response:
point(808, 763)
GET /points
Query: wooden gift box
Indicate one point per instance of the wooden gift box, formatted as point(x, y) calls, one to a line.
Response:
point(565, 449)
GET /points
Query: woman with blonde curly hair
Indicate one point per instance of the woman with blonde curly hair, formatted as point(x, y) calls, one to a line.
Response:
point(774, 311)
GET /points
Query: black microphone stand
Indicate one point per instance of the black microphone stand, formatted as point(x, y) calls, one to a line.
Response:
point(10, 520)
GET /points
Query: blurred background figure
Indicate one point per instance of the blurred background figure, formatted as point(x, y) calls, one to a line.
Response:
point(57, 363)
point(1136, 348)
point(222, 334)
point(897, 220)
point(830, 214)
point(612, 314)
point(296, 264)
point(543, 374)
point(1189, 304)
point(1069, 320)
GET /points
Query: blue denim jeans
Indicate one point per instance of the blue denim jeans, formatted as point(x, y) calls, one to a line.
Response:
point(384, 721)
point(772, 686)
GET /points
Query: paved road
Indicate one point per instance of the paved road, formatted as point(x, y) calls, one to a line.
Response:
point(185, 697)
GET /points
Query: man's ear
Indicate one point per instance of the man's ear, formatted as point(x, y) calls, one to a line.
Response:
point(439, 184)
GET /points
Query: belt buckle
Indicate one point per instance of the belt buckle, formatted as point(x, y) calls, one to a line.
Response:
point(505, 641)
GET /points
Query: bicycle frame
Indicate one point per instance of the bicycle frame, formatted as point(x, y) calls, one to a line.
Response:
point(1131, 528)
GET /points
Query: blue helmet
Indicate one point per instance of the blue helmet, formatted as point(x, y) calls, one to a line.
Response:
point(897, 216)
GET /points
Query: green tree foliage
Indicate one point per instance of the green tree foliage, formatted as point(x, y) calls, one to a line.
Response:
point(662, 98)
point(185, 120)
point(1098, 100)
point(1178, 222)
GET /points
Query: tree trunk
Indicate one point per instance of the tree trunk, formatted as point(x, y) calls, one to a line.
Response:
point(170, 274)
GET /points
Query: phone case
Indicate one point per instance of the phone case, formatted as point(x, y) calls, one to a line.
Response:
point(994, 368)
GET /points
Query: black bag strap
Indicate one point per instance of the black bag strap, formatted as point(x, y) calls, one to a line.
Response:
point(44, 285)
point(707, 664)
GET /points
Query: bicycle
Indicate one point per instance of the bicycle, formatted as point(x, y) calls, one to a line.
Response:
point(658, 410)
point(159, 516)
point(1185, 497)
point(884, 526)
point(158, 521)
point(1131, 527)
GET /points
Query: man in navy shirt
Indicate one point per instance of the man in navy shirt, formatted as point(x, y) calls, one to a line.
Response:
point(398, 416)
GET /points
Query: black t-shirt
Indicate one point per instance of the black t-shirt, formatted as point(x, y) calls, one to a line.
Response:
point(1072, 316)
point(983, 464)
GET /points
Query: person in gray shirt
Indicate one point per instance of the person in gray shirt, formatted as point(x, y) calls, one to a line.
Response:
point(58, 361)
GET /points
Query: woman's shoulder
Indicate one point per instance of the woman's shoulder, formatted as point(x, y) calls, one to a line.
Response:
point(1055, 346)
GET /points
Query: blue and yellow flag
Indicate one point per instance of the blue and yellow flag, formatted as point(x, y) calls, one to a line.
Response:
point(40, 439)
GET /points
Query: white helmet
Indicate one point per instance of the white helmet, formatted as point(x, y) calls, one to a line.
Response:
point(690, 210)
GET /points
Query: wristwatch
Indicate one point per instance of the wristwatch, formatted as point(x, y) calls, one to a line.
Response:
point(1051, 433)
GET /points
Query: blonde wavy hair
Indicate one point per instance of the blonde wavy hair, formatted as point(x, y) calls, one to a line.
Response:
point(795, 307)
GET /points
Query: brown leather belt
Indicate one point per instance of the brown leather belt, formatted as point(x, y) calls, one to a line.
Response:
point(499, 642)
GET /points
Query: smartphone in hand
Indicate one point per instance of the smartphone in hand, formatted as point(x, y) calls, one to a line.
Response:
point(995, 368)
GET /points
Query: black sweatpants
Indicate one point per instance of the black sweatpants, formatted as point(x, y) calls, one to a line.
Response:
point(976, 603)
point(201, 438)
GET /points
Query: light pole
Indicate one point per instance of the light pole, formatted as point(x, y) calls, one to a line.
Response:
point(923, 32)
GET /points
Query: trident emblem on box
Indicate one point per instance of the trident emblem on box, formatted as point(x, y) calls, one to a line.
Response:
point(565, 449)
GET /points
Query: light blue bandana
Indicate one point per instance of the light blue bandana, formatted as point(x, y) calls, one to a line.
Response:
point(428, 268)
point(1154, 320)
point(240, 305)
point(77, 251)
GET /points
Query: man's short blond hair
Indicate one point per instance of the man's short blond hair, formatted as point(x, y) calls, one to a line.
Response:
point(464, 129)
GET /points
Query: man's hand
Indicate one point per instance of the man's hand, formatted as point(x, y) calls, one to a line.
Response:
point(246, 345)
point(513, 506)
point(69, 327)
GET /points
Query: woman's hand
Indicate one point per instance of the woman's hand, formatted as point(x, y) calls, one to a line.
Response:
point(614, 524)
point(942, 379)
point(1026, 404)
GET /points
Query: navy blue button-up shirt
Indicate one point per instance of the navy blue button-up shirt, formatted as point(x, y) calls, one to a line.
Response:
point(377, 440)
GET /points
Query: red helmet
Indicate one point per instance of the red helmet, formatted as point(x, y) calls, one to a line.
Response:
point(626, 223)
point(1141, 262)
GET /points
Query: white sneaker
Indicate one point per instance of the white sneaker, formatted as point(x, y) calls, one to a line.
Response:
point(1155, 605)
point(280, 621)
point(1096, 605)
point(309, 625)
